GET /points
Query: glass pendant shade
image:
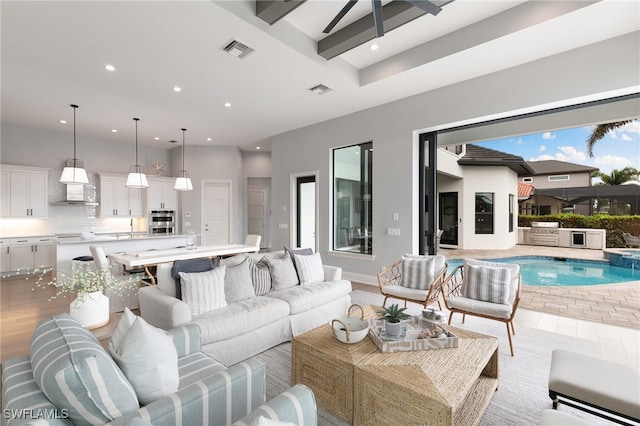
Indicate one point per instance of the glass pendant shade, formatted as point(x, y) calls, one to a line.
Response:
point(74, 171)
point(183, 181)
point(137, 178)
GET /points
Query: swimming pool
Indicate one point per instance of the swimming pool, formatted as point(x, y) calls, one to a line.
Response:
point(550, 271)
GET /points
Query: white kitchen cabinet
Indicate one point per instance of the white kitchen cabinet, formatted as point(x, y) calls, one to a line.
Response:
point(116, 200)
point(161, 195)
point(24, 191)
point(596, 239)
point(5, 255)
point(30, 253)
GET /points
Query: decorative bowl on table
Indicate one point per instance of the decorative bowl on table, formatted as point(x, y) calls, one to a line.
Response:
point(350, 329)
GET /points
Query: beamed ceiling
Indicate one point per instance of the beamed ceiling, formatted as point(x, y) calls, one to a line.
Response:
point(54, 53)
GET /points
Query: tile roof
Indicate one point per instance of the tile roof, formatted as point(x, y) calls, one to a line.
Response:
point(546, 167)
point(525, 190)
point(480, 156)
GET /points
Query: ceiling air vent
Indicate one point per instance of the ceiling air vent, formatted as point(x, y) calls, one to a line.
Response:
point(320, 89)
point(237, 49)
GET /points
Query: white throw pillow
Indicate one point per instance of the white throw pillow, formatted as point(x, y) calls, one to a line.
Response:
point(283, 274)
point(309, 267)
point(237, 282)
point(487, 283)
point(417, 272)
point(147, 356)
point(204, 291)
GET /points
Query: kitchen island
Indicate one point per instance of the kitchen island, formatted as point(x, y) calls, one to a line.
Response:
point(66, 249)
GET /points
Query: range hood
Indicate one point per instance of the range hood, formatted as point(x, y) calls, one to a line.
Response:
point(74, 195)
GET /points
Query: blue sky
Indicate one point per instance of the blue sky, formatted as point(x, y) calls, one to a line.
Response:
point(617, 150)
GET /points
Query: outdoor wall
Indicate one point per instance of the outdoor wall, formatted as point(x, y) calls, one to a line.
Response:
point(391, 127)
point(500, 181)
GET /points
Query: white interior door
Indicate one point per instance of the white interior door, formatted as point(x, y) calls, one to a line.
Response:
point(216, 214)
point(257, 212)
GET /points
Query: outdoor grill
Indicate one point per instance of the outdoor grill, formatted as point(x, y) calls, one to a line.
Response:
point(545, 233)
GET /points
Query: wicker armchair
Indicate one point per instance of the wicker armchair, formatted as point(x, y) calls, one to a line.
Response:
point(390, 283)
point(453, 293)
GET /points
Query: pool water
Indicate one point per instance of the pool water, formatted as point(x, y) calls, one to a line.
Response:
point(549, 271)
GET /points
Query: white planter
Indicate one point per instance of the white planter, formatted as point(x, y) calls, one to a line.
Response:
point(93, 311)
point(393, 328)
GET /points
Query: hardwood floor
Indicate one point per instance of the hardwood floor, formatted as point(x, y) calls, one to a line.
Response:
point(21, 308)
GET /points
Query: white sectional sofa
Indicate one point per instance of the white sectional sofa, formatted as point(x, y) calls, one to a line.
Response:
point(245, 328)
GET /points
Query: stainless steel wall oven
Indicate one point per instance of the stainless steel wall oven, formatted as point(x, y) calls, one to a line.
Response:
point(162, 222)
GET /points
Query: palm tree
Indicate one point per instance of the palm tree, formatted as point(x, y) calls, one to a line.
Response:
point(601, 131)
point(617, 177)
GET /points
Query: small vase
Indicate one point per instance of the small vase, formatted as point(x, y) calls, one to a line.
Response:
point(393, 328)
point(91, 309)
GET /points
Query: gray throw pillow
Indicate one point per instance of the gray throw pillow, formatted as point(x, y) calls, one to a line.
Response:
point(283, 274)
point(237, 282)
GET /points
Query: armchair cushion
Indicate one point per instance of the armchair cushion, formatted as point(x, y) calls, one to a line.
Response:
point(513, 267)
point(480, 307)
point(418, 272)
point(487, 283)
point(75, 372)
point(404, 292)
point(204, 291)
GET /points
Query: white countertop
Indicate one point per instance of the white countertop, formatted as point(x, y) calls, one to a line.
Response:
point(153, 257)
point(123, 236)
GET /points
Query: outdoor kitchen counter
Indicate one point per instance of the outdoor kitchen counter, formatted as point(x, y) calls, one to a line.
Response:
point(66, 249)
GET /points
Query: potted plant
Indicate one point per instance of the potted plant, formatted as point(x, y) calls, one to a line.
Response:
point(90, 306)
point(393, 316)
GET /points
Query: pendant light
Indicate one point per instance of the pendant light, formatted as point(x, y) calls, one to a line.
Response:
point(137, 178)
point(74, 171)
point(183, 181)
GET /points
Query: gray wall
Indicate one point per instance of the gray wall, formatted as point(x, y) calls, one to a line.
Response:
point(392, 127)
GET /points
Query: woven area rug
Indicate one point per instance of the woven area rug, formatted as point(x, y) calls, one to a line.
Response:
point(522, 392)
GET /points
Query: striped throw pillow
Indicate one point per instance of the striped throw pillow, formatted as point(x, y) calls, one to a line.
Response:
point(309, 267)
point(417, 272)
point(487, 283)
point(204, 291)
point(260, 276)
point(75, 372)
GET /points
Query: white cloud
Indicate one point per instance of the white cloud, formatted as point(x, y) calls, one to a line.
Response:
point(626, 138)
point(519, 141)
point(548, 135)
point(542, 148)
point(607, 163)
point(542, 158)
point(571, 153)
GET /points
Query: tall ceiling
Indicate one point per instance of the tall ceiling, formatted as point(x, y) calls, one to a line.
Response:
point(54, 54)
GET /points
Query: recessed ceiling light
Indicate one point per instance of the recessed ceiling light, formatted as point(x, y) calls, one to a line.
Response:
point(373, 47)
point(257, 147)
point(63, 122)
point(156, 138)
point(109, 67)
point(114, 130)
point(176, 89)
point(227, 104)
point(208, 139)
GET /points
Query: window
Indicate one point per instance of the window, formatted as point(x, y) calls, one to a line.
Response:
point(558, 178)
point(527, 179)
point(352, 191)
point(484, 213)
point(511, 215)
point(541, 210)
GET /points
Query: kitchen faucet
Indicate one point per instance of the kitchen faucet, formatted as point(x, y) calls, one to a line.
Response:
point(131, 225)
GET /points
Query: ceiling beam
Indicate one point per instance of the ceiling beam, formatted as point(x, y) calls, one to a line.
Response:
point(271, 11)
point(395, 14)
